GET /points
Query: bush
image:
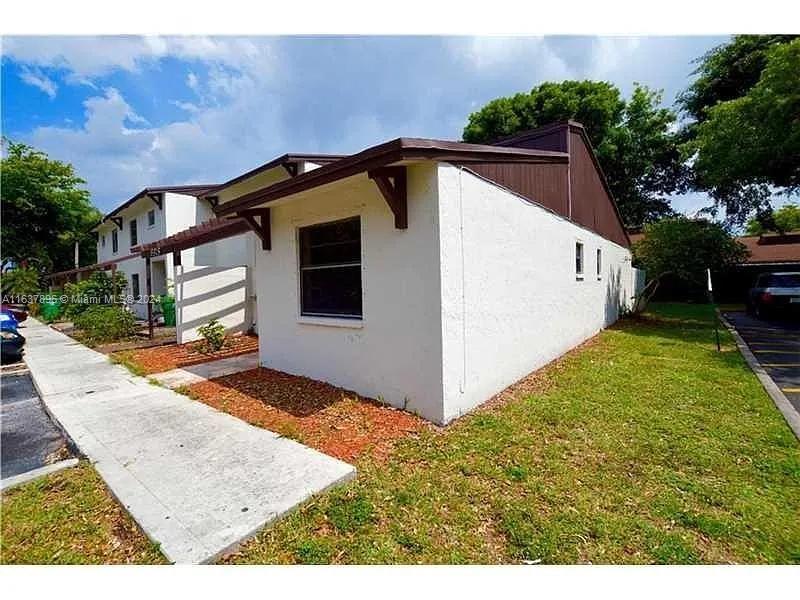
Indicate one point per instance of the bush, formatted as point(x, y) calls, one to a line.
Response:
point(105, 324)
point(213, 336)
point(97, 290)
point(20, 282)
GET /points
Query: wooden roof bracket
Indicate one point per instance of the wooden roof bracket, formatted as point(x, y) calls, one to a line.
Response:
point(391, 182)
point(213, 201)
point(259, 221)
point(291, 168)
point(158, 199)
point(118, 222)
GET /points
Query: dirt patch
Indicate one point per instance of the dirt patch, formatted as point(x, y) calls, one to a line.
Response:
point(335, 421)
point(173, 356)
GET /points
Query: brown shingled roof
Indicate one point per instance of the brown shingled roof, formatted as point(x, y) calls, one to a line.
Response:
point(769, 248)
point(772, 248)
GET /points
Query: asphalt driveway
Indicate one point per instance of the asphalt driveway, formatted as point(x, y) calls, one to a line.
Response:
point(29, 438)
point(776, 345)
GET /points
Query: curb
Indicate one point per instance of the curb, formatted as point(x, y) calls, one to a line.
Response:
point(15, 480)
point(778, 397)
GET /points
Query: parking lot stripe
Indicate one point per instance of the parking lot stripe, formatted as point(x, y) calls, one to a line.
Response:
point(778, 351)
point(791, 390)
point(780, 365)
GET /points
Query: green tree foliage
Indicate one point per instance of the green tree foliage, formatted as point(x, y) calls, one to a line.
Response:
point(684, 248)
point(20, 282)
point(745, 135)
point(786, 218)
point(728, 72)
point(45, 210)
point(633, 139)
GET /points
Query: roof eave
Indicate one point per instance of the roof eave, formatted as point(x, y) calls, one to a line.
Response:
point(385, 154)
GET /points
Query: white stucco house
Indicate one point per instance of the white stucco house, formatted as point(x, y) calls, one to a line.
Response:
point(430, 274)
point(213, 280)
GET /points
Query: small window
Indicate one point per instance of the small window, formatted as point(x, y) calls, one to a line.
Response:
point(330, 269)
point(134, 232)
point(114, 241)
point(103, 241)
point(579, 259)
point(135, 285)
point(599, 263)
point(151, 217)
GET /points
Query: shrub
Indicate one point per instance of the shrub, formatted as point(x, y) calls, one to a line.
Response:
point(105, 324)
point(20, 282)
point(97, 290)
point(213, 336)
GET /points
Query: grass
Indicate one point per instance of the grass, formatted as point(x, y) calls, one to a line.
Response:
point(69, 517)
point(644, 446)
point(126, 359)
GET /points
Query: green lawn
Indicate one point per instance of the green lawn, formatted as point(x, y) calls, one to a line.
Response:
point(644, 446)
point(70, 518)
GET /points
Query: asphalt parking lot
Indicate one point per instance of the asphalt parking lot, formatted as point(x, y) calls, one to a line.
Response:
point(29, 438)
point(776, 345)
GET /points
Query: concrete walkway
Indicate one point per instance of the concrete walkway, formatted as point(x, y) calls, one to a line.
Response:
point(215, 368)
point(198, 481)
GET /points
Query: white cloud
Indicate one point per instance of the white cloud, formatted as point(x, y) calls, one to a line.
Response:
point(39, 80)
point(491, 52)
point(89, 57)
point(610, 53)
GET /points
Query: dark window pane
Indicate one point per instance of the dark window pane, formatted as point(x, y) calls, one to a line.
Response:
point(332, 291)
point(134, 233)
point(135, 285)
point(331, 243)
point(786, 280)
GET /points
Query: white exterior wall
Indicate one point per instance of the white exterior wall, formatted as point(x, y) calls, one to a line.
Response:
point(217, 286)
point(205, 293)
point(394, 353)
point(510, 299)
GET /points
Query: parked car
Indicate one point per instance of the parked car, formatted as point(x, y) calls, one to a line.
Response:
point(775, 293)
point(12, 342)
point(20, 313)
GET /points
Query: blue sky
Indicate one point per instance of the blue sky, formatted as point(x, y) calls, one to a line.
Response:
point(134, 111)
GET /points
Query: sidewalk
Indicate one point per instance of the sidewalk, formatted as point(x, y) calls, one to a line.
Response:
point(198, 481)
point(208, 370)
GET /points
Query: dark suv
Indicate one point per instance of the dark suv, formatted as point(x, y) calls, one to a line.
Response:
point(775, 293)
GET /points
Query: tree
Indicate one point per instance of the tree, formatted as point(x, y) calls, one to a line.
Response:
point(684, 248)
point(633, 139)
point(744, 137)
point(45, 210)
point(786, 218)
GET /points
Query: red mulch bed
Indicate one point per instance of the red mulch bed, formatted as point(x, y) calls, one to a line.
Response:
point(173, 356)
point(332, 420)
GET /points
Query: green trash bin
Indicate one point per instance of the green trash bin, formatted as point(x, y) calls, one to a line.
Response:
point(51, 308)
point(168, 310)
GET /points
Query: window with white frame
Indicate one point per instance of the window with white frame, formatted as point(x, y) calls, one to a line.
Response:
point(103, 240)
point(134, 232)
point(579, 260)
point(599, 263)
point(151, 217)
point(114, 241)
point(330, 269)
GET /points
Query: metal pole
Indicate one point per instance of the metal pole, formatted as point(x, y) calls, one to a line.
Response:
point(714, 306)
